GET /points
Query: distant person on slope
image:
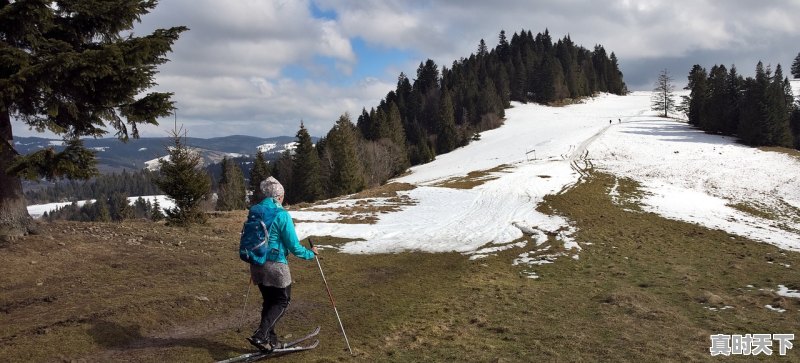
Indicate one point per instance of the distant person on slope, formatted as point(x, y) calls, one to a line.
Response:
point(273, 277)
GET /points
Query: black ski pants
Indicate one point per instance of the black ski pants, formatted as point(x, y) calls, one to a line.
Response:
point(276, 301)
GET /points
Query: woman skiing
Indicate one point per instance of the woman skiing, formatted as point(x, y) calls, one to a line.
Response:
point(273, 277)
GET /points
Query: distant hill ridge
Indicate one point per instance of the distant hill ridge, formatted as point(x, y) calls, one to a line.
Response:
point(114, 155)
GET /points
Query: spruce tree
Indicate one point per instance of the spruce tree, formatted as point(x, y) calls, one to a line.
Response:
point(306, 185)
point(697, 94)
point(397, 135)
point(482, 49)
point(119, 208)
point(258, 173)
point(663, 99)
point(157, 214)
point(796, 67)
point(102, 214)
point(716, 100)
point(347, 175)
point(447, 138)
point(73, 68)
point(182, 178)
point(752, 120)
point(733, 92)
point(232, 192)
point(778, 111)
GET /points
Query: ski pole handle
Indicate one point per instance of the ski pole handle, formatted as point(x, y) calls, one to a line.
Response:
point(310, 243)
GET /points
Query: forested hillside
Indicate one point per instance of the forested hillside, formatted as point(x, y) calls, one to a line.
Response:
point(445, 108)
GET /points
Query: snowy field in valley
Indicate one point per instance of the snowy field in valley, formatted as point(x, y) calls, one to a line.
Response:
point(686, 175)
point(37, 210)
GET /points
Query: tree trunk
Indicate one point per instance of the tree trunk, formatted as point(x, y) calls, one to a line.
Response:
point(14, 217)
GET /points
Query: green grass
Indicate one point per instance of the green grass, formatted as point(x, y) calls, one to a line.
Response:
point(639, 292)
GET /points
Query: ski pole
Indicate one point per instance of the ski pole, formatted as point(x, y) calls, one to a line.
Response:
point(244, 308)
point(333, 303)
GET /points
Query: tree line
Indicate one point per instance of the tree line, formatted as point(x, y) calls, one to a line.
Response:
point(759, 110)
point(107, 209)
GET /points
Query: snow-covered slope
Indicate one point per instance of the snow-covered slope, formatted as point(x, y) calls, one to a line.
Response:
point(688, 176)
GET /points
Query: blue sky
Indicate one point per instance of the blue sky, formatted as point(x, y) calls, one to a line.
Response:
point(259, 67)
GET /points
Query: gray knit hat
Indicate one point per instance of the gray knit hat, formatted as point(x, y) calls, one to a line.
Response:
point(271, 188)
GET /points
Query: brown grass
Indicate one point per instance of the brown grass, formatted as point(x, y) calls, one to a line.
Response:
point(473, 178)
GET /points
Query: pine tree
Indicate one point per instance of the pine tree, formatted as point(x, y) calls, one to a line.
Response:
point(232, 192)
point(182, 178)
point(157, 214)
point(734, 93)
point(397, 135)
point(447, 138)
point(141, 208)
point(119, 208)
point(752, 120)
point(716, 100)
point(697, 96)
point(796, 67)
point(258, 173)
point(73, 68)
point(306, 184)
point(482, 49)
point(778, 110)
point(347, 175)
point(663, 99)
point(102, 214)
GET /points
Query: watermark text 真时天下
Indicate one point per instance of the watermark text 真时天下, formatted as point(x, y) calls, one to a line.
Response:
point(750, 344)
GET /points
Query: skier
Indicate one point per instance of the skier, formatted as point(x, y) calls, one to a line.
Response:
point(273, 278)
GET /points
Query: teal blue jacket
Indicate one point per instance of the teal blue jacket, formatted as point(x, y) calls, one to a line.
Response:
point(282, 237)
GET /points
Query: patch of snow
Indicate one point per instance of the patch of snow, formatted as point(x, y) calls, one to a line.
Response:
point(488, 251)
point(99, 148)
point(266, 147)
point(784, 291)
point(155, 164)
point(314, 216)
point(770, 307)
point(530, 274)
point(142, 149)
point(55, 143)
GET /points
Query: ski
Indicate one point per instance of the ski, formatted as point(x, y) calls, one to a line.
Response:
point(302, 339)
point(289, 347)
point(252, 357)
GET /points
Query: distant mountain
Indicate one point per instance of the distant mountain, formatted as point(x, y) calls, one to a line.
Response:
point(114, 155)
